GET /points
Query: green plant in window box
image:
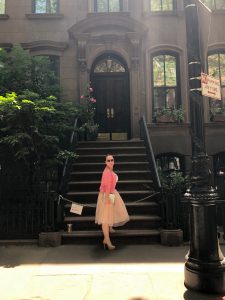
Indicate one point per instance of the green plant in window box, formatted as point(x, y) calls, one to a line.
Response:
point(170, 114)
point(217, 114)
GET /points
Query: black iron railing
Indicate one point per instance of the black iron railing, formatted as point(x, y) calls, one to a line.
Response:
point(68, 163)
point(25, 210)
point(66, 172)
point(150, 154)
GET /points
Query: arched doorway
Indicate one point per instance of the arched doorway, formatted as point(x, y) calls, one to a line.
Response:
point(110, 81)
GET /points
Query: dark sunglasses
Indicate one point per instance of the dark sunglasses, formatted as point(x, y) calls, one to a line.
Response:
point(110, 160)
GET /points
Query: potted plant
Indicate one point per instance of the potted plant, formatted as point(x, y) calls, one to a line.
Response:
point(217, 114)
point(91, 130)
point(169, 115)
point(86, 109)
point(173, 184)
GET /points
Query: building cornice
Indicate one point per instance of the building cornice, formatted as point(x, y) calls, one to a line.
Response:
point(45, 45)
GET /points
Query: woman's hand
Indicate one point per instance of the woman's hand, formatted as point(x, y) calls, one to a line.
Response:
point(107, 200)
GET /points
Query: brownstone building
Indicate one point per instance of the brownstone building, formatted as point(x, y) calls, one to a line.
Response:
point(134, 53)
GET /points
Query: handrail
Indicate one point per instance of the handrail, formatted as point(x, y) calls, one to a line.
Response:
point(150, 154)
point(68, 162)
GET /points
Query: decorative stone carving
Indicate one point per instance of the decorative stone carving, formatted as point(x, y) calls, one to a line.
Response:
point(135, 49)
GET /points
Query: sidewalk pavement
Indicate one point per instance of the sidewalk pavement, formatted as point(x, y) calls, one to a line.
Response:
point(87, 272)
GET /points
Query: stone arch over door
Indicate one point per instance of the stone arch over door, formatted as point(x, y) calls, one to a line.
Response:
point(100, 33)
point(110, 80)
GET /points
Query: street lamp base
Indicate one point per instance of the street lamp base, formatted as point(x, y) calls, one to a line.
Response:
point(206, 279)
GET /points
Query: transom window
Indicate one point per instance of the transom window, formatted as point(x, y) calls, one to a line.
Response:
point(216, 68)
point(162, 5)
point(108, 5)
point(214, 4)
point(46, 6)
point(165, 86)
point(2, 7)
point(109, 65)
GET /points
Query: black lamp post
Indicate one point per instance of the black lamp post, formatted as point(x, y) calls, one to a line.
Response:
point(205, 265)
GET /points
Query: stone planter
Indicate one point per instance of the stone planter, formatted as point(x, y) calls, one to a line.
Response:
point(219, 118)
point(165, 119)
point(50, 239)
point(171, 237)
point(91, 136)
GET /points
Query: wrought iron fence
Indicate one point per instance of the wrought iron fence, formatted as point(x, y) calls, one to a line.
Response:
point(26, 210)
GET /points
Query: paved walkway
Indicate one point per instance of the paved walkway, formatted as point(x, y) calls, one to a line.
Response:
point(84, 272)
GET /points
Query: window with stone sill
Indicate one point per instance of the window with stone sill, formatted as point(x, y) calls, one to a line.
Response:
point(214, 4)
point(108, 5)
point(216, 68)
point(165, 76)
point(45, 6)
point(2, 7)
point(162, 5)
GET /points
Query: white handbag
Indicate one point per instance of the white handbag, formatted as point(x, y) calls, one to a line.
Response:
point(112, 198)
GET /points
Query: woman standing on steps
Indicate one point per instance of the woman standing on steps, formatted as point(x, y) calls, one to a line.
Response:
point(110, 209)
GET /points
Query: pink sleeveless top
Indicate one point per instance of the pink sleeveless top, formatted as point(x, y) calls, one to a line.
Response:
point(108, 182)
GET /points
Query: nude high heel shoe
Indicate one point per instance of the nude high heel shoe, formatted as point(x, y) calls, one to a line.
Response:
point(108, 246)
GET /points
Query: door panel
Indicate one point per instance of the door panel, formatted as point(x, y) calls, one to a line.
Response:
point(112, 107)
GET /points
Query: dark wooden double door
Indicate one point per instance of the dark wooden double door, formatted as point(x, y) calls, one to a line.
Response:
point(113, 104)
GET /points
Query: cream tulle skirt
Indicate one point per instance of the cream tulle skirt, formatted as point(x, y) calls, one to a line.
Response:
point(112, 214)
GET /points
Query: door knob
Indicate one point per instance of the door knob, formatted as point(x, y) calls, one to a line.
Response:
point(112, 113)
point(108, 113)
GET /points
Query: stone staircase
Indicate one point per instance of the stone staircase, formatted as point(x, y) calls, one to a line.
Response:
point(134, 183)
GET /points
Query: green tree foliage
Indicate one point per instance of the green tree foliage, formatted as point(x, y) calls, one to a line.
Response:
point(31, 129)
point(20, 71)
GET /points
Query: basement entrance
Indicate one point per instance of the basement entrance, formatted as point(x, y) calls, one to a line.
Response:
point(110, 81)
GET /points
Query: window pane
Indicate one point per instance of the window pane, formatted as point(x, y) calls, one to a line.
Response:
point(220, 4)
point(223, 96)
point(170, 98)
point(155, 5)
point(40, 6)
point(53, 6)
point(158, 71)
point(102, 5)
point(159, 98)
point(114, 5)
point(167, 5)
point(209, 3)
point(2, 7)
point(222, 69)
point(170, 68)
point(213, 65)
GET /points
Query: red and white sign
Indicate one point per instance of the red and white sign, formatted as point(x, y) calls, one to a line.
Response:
point(210, 86)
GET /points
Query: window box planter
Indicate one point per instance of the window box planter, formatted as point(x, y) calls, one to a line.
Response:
point(165, 119)
point(169, 115)
point(218, 118)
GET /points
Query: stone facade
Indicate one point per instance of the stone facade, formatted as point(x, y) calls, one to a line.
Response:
point(78, 36)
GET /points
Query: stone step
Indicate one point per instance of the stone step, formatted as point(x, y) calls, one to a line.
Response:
point(111, 144)
point(122, 185)
point(132, 208)
point(91, 196)
point(120, 166)
point(123, 175)
point(110, 150)
point(121, 236)
point(136, 222)
point(118, 158)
